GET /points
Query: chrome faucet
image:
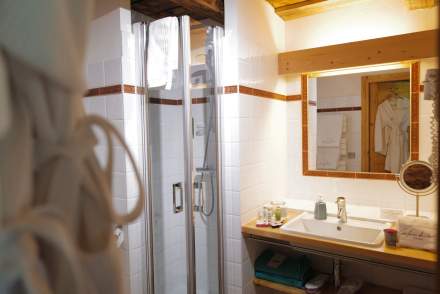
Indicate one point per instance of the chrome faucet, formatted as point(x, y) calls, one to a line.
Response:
point(342, 210)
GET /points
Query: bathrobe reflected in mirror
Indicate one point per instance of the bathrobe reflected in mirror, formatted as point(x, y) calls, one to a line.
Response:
point(391, 132)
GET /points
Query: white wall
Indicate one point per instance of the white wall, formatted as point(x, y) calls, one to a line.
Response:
point(253, 127)
point(367, 19)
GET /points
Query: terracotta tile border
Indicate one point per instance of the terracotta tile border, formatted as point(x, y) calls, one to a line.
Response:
point(124, 88)
point(115, 89)
point(259, 93)
point(293, 97)
point(415, 111)
point(165, 101)
point(162, 101)
point(337, 109)
point(416, 88)
point(231, 89)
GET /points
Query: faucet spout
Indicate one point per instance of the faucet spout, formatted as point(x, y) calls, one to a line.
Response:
point(342, 210)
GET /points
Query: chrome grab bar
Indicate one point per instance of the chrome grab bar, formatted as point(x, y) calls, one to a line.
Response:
point(177, 209)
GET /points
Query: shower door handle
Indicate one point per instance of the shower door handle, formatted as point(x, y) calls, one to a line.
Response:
point(177, 209)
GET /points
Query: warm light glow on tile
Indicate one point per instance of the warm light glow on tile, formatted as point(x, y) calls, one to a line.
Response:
point(360, 69)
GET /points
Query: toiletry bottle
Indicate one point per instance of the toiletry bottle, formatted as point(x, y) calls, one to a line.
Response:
point(320, 209)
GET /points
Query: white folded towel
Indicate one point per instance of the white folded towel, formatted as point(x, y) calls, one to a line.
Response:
point(327, 158)
point(417, 232)
point(163, 52)
point(330, 127)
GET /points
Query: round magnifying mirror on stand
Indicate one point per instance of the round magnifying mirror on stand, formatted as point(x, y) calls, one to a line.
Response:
point(417, 178)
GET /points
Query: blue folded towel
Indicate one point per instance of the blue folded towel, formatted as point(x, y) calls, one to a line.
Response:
point(294, 271)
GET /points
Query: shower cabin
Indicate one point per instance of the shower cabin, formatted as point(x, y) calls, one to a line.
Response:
point(182, 170)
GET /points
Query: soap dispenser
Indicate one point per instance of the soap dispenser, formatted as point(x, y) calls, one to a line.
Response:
point(320, 209)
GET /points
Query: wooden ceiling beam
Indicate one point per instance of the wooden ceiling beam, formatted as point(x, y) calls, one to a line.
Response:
point(212, 9)
point(197, 9)
point(404, 47)
point(280, 3)
point(311, 7)
point(299, 4)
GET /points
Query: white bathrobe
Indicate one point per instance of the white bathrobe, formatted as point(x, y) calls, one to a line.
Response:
point(56, 210)
point(391, 132)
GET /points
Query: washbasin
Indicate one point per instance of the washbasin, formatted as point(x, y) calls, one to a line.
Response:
point(355, 231)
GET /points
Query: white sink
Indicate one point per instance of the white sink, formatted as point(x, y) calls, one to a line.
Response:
point(355, 231)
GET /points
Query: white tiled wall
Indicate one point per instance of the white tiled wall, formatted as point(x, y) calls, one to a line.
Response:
point(110, 50)
point(256, 169)
point(254, 129)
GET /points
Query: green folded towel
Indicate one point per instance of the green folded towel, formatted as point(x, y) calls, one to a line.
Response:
point(280, 280)
point(282, 266)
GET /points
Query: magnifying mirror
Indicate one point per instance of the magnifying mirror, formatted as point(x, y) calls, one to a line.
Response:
point(417, 178)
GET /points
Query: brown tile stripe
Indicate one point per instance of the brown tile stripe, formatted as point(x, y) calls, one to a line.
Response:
point(176, 101)
point(415, 95)
point(260, 93)
point(115, 89)
point(123, 88)
point(165, 101)
point(231, 89)
point(350, 175)
point(337, 109)
point(293, 97)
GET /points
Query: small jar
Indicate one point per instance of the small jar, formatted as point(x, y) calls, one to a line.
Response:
point(277, 214)
point(282, 206)
point(390, 237)
point(267, 214)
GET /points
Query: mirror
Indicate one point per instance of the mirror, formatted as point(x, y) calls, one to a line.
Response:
point(359, 119)
point(417, 178)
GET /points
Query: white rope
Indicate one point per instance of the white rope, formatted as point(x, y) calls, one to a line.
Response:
point(22, 235)
point(109, 130)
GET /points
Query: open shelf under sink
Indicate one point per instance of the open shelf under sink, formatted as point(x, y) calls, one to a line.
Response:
point(366, 289)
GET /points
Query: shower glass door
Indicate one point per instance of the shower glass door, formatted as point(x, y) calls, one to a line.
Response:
point(205, 157)
point(183, 214)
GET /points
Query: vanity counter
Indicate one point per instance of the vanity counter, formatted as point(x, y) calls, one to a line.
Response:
point(412, 259)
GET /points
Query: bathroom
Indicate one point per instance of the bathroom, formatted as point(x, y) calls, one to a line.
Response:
point(244, 108)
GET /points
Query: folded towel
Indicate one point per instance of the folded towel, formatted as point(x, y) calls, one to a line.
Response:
point(280, 279)
point(163, 52)
point(283, 266)
point(417, 232)
point(330, 128)
point(327, 157)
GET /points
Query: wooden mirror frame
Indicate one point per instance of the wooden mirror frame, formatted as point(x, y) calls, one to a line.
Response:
point(414, 132)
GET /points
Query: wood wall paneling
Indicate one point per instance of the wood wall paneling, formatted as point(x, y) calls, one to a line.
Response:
point(292, 9)
point(368, 52)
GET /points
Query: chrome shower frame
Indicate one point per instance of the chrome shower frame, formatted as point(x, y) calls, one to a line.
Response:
point(142, 33)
